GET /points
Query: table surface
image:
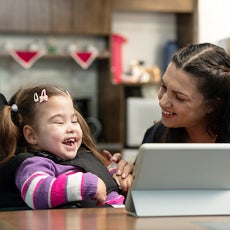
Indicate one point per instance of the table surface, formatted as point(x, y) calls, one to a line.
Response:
point(104, 218)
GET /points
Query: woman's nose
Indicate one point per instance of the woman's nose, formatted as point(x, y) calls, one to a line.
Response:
point(164, 100)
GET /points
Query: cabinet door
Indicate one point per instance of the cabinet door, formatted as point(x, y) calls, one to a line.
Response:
point(175, 6)
point(13, 15)
point(62, 16)
point(24, 16)
point(91, 17)
point(38, 15)
point(58, 16)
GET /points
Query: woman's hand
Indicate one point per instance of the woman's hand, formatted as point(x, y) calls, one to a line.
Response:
point(124, 183)
point(124, 168)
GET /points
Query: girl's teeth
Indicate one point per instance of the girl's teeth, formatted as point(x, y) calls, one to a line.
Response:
point(69, 141)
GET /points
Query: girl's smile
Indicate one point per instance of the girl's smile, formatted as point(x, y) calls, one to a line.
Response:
point(58, 120)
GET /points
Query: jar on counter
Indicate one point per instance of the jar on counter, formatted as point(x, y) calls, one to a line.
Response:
point(169, 49)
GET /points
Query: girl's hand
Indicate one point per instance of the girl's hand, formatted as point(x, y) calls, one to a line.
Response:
point(101, 192)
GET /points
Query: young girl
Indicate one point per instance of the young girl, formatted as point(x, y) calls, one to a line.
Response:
point(49, 153)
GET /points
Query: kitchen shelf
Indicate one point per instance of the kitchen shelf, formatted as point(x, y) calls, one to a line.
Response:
point(102, 55)
point(128, 84)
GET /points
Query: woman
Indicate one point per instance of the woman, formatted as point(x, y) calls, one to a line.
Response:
point(194, 98)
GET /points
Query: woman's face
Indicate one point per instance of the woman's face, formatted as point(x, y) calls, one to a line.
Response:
point(181, 103)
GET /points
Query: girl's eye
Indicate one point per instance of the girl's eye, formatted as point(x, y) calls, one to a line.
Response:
point(58, 122)
point(74, 120)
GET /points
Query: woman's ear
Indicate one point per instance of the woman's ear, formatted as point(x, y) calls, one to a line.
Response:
point(214, 105)
point(30, 135)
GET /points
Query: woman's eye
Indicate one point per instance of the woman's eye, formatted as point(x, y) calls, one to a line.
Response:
point(180, 99)
point(163, 87)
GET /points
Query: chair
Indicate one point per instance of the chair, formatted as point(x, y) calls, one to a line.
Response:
point(3, 101)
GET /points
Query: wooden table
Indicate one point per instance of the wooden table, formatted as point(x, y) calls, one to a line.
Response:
point(103, 218)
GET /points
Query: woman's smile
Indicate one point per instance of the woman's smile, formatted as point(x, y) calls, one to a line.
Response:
point(167, 114)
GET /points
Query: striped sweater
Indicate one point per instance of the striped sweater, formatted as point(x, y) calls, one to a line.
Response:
point(46, 184)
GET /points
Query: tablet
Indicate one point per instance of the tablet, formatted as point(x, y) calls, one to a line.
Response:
point(180, 179)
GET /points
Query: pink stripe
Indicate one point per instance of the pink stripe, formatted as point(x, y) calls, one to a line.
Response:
point(26, 185)
point(71, 172)
point(111, 172)
point(58, 191)
point(118, 200)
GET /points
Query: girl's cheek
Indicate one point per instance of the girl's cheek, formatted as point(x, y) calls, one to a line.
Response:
point(80, 132)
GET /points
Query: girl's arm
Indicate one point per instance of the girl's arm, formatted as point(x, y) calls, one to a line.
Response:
point(44, 184)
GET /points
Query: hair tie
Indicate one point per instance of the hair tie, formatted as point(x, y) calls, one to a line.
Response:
point(14, 108)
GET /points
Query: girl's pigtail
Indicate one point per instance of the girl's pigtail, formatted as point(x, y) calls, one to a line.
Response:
point(8, 134)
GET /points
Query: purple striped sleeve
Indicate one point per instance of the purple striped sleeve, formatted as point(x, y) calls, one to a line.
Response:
point(44, 184)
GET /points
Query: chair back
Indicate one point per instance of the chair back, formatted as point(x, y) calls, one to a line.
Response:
point(3, 101)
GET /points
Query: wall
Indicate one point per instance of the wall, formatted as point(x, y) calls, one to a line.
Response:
point(213, 21)
point(62, 71)
point(146, 35)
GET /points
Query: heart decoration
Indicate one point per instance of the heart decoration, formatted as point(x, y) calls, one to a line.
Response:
point(26, 58)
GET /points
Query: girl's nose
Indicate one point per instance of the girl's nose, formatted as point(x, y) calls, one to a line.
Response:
point(70, 128)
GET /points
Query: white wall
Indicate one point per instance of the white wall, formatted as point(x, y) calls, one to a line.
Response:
point(213, 21)
point(146, 34)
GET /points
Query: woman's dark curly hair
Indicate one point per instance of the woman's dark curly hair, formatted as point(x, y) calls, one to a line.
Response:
point(210, 65)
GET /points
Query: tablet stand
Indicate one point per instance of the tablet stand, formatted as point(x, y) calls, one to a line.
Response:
point(179, 202)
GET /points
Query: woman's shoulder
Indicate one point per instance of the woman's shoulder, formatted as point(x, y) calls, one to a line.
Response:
point(222, 139)
point(154, 133)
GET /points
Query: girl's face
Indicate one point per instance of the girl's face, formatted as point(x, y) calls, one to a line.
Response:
point(181, 103)
point(58, 130)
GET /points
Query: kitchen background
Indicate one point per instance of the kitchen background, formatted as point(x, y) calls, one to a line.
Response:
point(153, 28)
point(146, 33)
